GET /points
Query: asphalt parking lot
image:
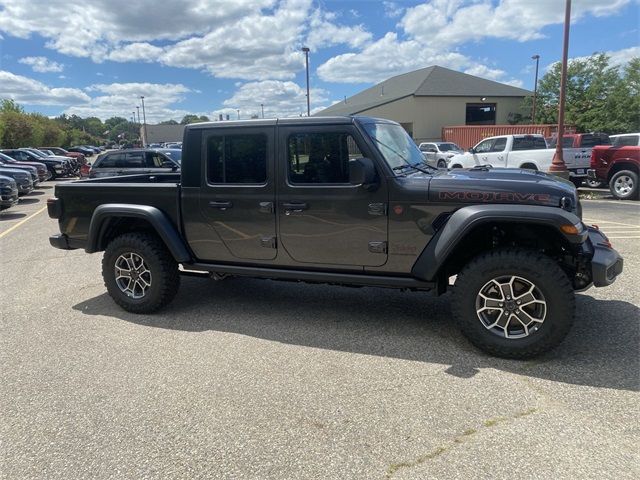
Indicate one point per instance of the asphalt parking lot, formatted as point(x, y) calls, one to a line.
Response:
point(258, 379)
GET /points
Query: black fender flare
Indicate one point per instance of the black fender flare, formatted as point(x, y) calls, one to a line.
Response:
point(465, 219)
point(158, 220)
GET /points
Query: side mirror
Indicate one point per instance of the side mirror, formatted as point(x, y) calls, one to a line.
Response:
point(472, 150)
point(362, 172)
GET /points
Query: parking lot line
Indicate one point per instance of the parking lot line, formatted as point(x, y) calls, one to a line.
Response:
point(21, 222)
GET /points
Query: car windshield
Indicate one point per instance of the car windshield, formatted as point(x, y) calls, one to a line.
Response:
point(395, 145)
point(35, 152)
point(447, 147)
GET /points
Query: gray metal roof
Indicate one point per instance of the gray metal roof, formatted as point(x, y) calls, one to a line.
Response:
point(431, 81)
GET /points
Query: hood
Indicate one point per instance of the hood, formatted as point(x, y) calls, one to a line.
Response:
point(14, 171)
point(501, 185)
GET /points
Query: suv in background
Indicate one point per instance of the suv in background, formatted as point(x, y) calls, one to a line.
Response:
point(132, 162)
point(438, 154)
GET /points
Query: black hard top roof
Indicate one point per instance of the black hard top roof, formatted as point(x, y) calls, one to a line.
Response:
point(293, 121)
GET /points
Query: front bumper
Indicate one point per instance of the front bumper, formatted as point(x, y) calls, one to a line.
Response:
point(25, 187)
point(606, 263)
point(9, 199)
point(61, 241)
point(578, 173)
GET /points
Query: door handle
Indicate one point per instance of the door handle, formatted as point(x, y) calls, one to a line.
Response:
point(221, 205)
point(294, 207)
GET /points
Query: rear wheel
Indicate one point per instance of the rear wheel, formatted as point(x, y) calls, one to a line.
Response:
point(624, 185)
point(513, 303)
point(139, 272)
point(593, 183)
point(442, 164)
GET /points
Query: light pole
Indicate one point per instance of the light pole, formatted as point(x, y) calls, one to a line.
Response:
point(238, 110)
point(144, 125)
point(558, 167)
point(535, 90)
point(262, 108)
point(306, 57)
point(138, 110)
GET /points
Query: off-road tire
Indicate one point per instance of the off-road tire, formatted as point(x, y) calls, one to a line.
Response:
point(165, 278)
point(538, 269)
point(633, 178)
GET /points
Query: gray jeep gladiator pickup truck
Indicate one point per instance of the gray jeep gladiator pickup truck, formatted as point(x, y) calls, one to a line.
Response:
point(349, 201)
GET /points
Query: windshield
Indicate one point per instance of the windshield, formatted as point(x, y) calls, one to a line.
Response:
point(395, 144)
point(447, 147)
point(38, 153)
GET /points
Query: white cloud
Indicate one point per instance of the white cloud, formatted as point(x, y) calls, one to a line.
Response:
point(280, 99)
point(136, 52)
point(121, 99)
point(432, 31)
point(323, 32)
point(392, 9)
point(617, 58)
point(31, 92)
point(494, 74)
point(42, 64)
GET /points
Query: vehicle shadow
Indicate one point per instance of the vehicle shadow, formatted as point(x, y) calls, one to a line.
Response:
point(37, 192)
point(28, 201)
point(4, 216)
point(45, 187)
point(600, 351)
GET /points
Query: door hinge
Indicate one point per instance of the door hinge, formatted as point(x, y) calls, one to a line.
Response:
point(268, 242)
point(378, 247)
point(377, 209)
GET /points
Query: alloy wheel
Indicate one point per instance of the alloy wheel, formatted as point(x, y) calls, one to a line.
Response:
point(623, 185)
point(133, 277)
point(511, 307)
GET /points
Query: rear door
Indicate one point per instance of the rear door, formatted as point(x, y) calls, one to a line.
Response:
point(323, 219)
point(237, 195)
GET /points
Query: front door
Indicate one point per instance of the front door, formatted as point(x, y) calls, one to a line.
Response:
point(237, 195)
point(323, 219)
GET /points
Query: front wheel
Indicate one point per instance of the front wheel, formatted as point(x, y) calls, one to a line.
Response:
point(513, 303)
point(139, 272)
point(624, 185)
point(442, 164)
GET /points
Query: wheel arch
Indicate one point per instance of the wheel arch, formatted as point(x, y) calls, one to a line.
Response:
point(623, 164)
point(470, 230)
point(109, 220)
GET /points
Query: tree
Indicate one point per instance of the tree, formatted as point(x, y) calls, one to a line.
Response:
point(169, 122)
point(17, 130)
point(189, 119)
point(598, 97)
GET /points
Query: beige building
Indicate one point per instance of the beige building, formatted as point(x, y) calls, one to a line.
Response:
point(426, 100)
point(162, 133)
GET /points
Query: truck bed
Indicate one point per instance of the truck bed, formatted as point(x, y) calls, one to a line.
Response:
point(79, 199)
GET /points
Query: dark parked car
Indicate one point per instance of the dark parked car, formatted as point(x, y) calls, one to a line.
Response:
point(8, 192)
point(345, 200)
point(56, 167)
point(131, 162)
point(71, 165)
point(87, 152)
point(25, 168)
point(23, 179)
point(41, 168)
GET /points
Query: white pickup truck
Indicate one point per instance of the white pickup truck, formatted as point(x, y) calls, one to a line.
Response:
point(522, 151)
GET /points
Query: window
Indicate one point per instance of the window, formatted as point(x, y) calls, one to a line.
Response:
point(499, 145)
point(626, 141)
point(484, 146)
point(481, 114)
point(529, 143)
point(237, 159)
point(154, 160)
point(111, 161)
point(426, 147)
point(321, 157)
point(135, 160)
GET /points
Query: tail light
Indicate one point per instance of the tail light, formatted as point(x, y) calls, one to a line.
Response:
point(84, 170)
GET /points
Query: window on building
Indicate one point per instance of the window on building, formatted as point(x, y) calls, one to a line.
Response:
point(237, 159)
point(321, 157)
point(481, 114)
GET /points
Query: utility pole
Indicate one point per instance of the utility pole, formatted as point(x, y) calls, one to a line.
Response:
point(144, 125)
point(262, 108)
point(238, 110)
point(535, 90)
point(138, 110)
point(306, 56)
point(558, 167)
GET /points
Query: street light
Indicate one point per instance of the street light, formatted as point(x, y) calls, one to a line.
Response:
point(238, 110)
point(558, 167)
point(138, 110)
point(535, 90)
point(306, 57)
point(144, 126)
point(262, 108)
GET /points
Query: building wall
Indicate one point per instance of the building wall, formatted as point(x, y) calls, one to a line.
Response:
point(163, 133)
point(428, 115)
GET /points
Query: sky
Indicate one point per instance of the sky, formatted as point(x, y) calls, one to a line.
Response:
point(212, 57)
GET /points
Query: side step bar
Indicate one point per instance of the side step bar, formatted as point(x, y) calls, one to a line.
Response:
point(308, 276)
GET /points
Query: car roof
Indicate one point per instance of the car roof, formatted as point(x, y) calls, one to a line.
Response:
point(293, 121)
